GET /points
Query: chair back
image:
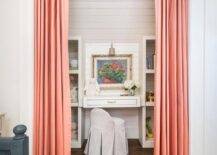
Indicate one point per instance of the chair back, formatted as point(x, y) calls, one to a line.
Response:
point(101, 136)
point(101, 119)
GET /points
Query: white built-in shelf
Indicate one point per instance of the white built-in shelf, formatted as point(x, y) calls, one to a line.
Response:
point(150, 71)
point(148, 76)
point(74, 71)
point(74, 104)
point(149, 143)
point(149, 104)
point(75, 51)
point(75, 143)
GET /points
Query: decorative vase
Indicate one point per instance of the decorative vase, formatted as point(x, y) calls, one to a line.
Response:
point(74, 63)
point(132, 92)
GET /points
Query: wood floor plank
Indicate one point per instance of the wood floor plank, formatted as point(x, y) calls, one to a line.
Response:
point(134, 149)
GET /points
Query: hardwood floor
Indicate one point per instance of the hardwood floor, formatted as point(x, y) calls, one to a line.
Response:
point(134, 149)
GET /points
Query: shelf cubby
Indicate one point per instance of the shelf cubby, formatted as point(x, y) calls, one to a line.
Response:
point(147, 91)
point(76, 87)
point(73, 54)
point(74, 124)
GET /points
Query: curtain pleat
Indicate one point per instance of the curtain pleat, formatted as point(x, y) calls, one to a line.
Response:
point(171, 110)
point(52, 115)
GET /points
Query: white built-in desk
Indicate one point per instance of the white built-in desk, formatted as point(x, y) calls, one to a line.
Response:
point(128, 108)
point(111, 102)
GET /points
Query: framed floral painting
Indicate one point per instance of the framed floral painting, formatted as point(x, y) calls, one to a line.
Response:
point(112, 71)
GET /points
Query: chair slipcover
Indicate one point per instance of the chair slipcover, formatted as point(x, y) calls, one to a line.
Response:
point(121, 143)
point(107, 135)
point(101, 134)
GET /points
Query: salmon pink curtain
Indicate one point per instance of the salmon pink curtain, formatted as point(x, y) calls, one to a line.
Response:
point(52, 109)
point(171, 113)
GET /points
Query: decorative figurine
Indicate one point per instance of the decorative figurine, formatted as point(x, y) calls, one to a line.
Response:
point(149, 132)
point(92, 88)
point(74, 94)
point(150, 96)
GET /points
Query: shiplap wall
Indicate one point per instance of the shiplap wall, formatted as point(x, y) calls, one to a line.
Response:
point(111, 20)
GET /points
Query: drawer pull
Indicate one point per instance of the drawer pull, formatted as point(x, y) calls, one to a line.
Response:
point(111, 102)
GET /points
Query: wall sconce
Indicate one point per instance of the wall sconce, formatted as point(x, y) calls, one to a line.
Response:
point(111, 50)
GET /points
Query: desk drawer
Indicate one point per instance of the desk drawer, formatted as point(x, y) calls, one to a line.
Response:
point(111, 103)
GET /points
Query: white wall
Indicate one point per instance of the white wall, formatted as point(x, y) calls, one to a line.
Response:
point(203, 75)
point(9, 52)
point(16, 62)
point(107, 20)
point(210, 60)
